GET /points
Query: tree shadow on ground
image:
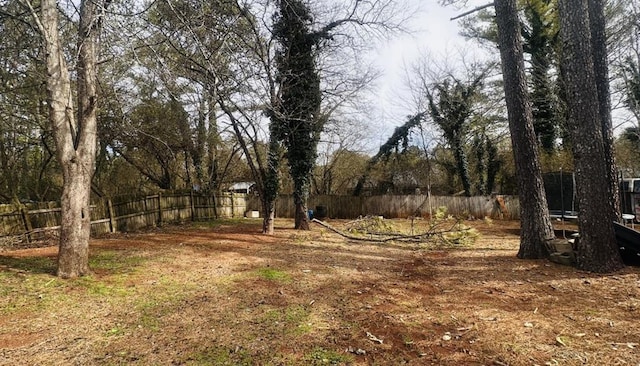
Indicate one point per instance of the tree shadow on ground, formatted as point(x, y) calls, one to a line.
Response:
point(35, 264)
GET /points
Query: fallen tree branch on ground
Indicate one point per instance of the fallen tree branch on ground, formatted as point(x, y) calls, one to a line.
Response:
point(396, 236)
point(341, 233)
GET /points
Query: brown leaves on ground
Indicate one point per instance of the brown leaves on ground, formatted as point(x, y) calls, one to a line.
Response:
point(226, 295)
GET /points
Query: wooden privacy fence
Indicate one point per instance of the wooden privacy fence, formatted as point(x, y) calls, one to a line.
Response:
point(36, 221)
point(389, 206)
point(123, 214)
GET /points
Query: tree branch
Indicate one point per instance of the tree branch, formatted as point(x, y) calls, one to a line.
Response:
point(481, 7)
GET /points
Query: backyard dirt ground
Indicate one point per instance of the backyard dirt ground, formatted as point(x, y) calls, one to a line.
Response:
point(223, 294)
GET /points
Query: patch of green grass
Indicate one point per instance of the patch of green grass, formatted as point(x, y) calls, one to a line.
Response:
point(280, 359)
point(30, 292)
point(273, 275)
point(220, 355)
point(294, 318)
point(6, 284)
point(238, 221)
point(321, 356)
point(151, 311)
point(165, 298)
point(274, 315)
point(100, 288)
point(46, 265)
point(114, 261)
point(296, 314)
point(115, 331)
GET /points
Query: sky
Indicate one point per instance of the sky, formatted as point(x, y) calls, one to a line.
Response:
point(431, 32)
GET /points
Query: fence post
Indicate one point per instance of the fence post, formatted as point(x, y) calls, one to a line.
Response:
point(159, 209)
point(216, 199)
point(112, 217)
point(193, 207)
point(233, 209)
point(27, 223)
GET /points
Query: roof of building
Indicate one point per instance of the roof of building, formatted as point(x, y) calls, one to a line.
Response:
point(238, 186)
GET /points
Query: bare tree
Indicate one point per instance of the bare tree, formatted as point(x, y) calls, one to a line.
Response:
point(341, 155)
point(27, 160)
point(74, 134)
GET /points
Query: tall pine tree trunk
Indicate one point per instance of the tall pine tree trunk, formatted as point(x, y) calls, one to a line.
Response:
point(601, 69)
point(597, 247)
point(536, 227)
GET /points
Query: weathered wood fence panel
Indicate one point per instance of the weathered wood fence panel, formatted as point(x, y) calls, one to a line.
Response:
point(233, 205)
point(175, 208)
point(205, 207)
point(390, 206)
point(124, 214)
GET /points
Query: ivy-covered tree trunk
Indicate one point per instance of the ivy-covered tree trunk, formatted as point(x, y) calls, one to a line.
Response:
point(493, 165)
point(462, 164)
point(480, 149)
point(597, 247)
point(268, 215)
point(301, 169)
point(300, 197)
point(213, 143)
point(451, 112)
point(299, 108)
point(536, 227)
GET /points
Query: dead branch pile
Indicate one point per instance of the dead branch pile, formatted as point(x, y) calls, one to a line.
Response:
point(375, 229)
point(26, 241)
point(371, 225)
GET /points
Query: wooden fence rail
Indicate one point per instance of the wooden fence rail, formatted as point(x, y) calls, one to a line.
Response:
point(38, 220)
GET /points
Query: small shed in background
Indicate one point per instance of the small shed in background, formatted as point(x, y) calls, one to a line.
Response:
point(242, 187)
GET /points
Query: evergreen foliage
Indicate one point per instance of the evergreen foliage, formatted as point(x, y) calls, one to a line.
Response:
point(539, 27)
point(540, 33)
